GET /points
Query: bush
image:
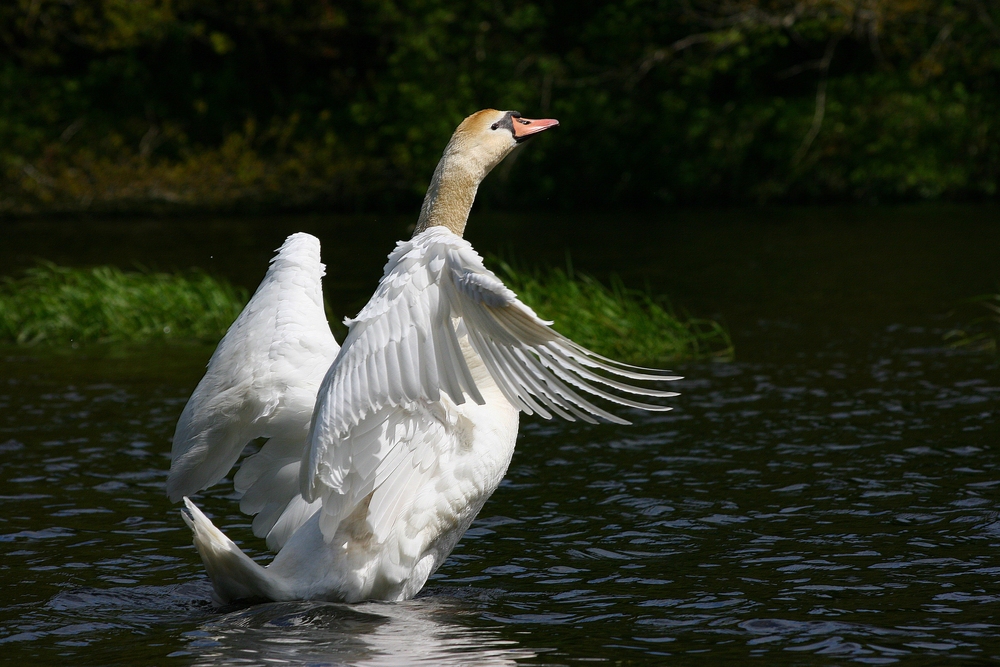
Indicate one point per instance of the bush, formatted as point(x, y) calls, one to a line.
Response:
point(138, 104)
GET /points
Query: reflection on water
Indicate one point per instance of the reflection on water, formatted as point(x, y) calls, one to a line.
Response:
point(418, 632)
point(425, 631)
point(829, 498)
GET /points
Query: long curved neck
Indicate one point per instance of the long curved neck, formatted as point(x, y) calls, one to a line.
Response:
point(449, 197)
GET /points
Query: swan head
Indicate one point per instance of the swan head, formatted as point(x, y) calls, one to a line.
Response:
point(479, 143)
point(486, 137)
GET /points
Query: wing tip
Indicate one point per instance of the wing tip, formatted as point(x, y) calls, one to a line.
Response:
point(192, 516)
point(174, 490)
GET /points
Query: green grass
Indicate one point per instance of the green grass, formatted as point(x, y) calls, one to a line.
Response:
point(982, 333)
point(59, 305)
point(622, 323)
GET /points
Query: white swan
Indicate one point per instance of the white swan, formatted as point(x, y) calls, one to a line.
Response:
point(380, 453)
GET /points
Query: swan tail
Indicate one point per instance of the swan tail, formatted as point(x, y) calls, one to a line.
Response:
point(234, 575)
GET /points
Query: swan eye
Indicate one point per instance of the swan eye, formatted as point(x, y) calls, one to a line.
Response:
point(495, 125)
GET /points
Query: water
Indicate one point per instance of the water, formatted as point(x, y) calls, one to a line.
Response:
point(828, 498)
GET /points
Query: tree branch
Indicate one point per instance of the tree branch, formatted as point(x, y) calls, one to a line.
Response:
point(820, 112)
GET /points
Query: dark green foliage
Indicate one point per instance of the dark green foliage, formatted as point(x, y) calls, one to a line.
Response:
point(621, 323)
point(59, 305)
point(116, 104)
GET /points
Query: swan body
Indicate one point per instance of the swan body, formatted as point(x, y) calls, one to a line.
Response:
point(380, 453)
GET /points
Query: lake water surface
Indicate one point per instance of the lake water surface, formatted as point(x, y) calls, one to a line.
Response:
point(830, 497)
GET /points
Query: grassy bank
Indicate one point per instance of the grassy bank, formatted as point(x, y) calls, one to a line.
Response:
point(57, 305)
point(618, 322)
point(982, 334)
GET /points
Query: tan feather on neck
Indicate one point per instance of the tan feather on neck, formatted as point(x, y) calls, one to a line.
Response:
point(466, 161)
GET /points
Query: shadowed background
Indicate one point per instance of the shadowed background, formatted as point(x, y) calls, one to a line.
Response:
point(138, 105)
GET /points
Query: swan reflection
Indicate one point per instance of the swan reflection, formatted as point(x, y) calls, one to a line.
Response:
point(424, 631)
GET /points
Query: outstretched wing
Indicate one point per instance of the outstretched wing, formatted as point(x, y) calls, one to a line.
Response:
point(261, 383)
point(405, 351)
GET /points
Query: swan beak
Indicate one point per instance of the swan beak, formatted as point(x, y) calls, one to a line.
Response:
point(526, 127)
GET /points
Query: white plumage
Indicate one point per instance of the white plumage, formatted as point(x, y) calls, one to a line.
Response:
point(380, 453)
point(261, 383)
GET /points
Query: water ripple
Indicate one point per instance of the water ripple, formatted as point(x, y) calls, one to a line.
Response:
point(833, 509)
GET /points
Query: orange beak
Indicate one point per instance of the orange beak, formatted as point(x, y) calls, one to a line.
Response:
point(525, 127)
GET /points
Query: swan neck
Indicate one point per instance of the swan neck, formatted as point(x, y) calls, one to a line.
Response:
point(450, 196)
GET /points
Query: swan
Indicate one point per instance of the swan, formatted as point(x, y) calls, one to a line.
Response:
point(379, 453)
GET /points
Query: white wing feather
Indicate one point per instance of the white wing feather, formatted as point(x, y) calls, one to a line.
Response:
point(261, 383)
point(376, 432)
